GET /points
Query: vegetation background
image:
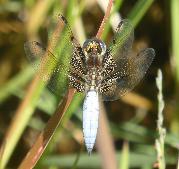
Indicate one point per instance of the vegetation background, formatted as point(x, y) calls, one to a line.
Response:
point(131, 121)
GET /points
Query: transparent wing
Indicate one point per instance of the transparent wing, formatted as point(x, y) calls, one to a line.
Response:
point(126, 75)
point(45, 64)
point(69, 69)
point(121, 44)
point(54, 71)
point(119, 48)
point(36, 53)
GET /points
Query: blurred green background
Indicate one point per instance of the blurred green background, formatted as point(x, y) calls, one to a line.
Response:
point(132, 119)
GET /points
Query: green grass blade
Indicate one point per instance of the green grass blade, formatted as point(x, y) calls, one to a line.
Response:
point(66, 161)
point(15, 83)
point(139, 11)
point(124, 160)
point(19, 123)
point(175, 34)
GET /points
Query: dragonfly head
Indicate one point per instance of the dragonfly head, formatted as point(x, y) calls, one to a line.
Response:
point(93, 47)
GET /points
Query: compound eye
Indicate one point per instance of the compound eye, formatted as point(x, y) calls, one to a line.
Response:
point(91, 45)
point(89, 50)
point(102, 48)
point(86, 47)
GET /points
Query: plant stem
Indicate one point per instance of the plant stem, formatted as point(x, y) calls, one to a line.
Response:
point(45, 136)
point(162, 132)
point(139, 11)
point(106, 17)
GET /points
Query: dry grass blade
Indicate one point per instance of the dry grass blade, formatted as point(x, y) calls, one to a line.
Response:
point(138, 101)
point(43, 139)
point(2, 151)
point(15, 125)
point(37, 16)
point(160, 142)
point(104, 142)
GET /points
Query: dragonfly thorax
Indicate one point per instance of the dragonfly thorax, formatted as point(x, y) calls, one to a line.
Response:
point(93, 79)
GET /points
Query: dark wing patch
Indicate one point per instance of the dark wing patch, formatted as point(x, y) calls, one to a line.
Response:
point(131, 71)
point(122, 71)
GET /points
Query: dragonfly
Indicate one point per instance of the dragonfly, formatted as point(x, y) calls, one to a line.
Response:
point(100, 71)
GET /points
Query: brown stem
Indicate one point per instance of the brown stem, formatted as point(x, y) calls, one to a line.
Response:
point(45, 136)
point(106, 17)
point(104, 140)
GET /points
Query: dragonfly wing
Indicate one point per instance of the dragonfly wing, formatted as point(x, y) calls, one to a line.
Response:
point(119, 48)
point(77, 61)
point(123, 80)
point(74, 70)
point(121, 70)
point(36, 53)
point(122, 42)
point(45, 64)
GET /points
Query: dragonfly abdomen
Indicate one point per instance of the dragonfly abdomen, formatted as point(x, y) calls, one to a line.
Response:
point(90, 118)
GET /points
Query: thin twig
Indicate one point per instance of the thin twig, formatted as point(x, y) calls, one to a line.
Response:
point(106, 17)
